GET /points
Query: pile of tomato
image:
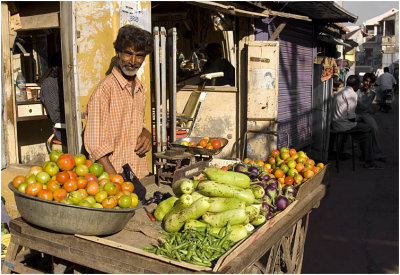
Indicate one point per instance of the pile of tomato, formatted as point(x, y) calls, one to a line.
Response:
point(205, 142)
point(78, 181)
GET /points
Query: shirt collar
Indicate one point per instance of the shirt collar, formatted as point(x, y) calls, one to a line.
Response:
point(124, 83)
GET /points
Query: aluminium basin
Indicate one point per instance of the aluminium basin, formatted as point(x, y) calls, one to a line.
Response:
point(71, 219)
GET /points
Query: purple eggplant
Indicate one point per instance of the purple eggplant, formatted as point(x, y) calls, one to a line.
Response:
point(271, 192)
point(289, 190)
point(241, 168)
point(253, 171)
point(264, 177)
point(269, 215)
point(281, 202)
point(261, 183)
point(265, 207)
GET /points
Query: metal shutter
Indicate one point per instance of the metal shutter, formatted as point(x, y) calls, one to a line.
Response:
point(295, 79)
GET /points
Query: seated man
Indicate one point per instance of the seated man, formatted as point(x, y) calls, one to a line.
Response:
point(365, 97)
point(216, 63)
point(344, 119)
point(52, 96)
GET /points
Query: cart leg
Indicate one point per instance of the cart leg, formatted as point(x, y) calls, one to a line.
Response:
point(9, 261)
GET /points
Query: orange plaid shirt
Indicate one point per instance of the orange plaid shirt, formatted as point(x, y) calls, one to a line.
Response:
point(115, 119)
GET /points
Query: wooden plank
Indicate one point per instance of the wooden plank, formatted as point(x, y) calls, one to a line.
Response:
point(142, 252)
point(278, 30)
point(254, 252)
point(86, 253)
point(9, 116)
point(72, 108)
point(40, 21)
point(310, 185)
point(194, 88)
point(249, 241)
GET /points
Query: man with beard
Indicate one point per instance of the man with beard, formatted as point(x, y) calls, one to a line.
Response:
point(115, 132)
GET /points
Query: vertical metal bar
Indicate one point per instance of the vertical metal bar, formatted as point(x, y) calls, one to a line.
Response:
point(157, 85)
point(164, 137)
point(172, 82)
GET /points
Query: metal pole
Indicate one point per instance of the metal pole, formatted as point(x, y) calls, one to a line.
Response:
point(164, 137)
point(172, 80)
point(157, 84)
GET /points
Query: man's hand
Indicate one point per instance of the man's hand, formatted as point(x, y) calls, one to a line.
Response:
point(143, 142)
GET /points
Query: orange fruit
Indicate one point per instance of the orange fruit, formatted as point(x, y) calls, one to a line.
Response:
point(224, 168)
point(216, 144)
point(192, 144)
point(289, 180)
point(260, 163)
point(315, 169)
point(308, 174)
point(279, 173)
point(206, 138)
point(271, 160)
point(299, 167)
point(320, 165)
point(209, 146)
point(252, 162)
point(281, 181)
point(310, 161)
point(275, 153)
point(298, 178)
point(203, 143)
point(292, 152)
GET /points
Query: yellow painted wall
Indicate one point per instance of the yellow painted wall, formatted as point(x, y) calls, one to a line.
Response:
point(97, 24)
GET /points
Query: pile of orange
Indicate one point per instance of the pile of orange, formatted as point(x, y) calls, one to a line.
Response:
point(289, 166)
point(205, 142)
point(76, 180)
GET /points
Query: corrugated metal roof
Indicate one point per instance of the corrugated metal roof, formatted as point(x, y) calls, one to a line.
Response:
point(322, 10)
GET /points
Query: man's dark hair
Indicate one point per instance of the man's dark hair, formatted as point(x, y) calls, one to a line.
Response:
point(213, 46)
point(131, 36)
point(55, 60)
point(370, 76)
point(352, 81)
point(386, 69)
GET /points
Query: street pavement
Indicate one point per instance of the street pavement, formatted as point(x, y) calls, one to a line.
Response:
point(356, 227)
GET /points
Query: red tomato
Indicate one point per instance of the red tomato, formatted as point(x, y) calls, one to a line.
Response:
point(33, 189)
point(289, 180)
point(127, 186)
point(117, 178)
point(53, 185)
point(62, 177)
point(224, 168)
point(109, 202)
point(70, 185)
point(84, 193)
point(203, 143)
point(88, 162)
point(45, 194)
point(82, 182)
point(60, 194)
point(72, 175)
point(90, 177)
point(216, 144)
point(118, 186)
point(66, 162)
point(103, 181)
point(92, 188)
point(18, 180)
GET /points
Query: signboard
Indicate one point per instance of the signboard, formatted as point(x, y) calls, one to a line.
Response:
point(131, 12)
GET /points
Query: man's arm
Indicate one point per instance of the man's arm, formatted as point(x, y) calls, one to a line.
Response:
point(143, 143)
point(108, 167)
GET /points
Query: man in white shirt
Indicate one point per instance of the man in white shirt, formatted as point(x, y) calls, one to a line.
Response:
point(385, 83)
point(344, 119)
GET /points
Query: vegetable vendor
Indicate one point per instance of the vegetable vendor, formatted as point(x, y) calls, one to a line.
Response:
point(115, 132)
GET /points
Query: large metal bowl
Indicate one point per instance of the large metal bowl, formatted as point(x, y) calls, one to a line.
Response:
point(71, 219)
point(200, 151)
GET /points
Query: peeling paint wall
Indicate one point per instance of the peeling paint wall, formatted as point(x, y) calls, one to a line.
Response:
point(97, 25)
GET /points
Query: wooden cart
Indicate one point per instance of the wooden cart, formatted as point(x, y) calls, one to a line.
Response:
point(276, 247)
